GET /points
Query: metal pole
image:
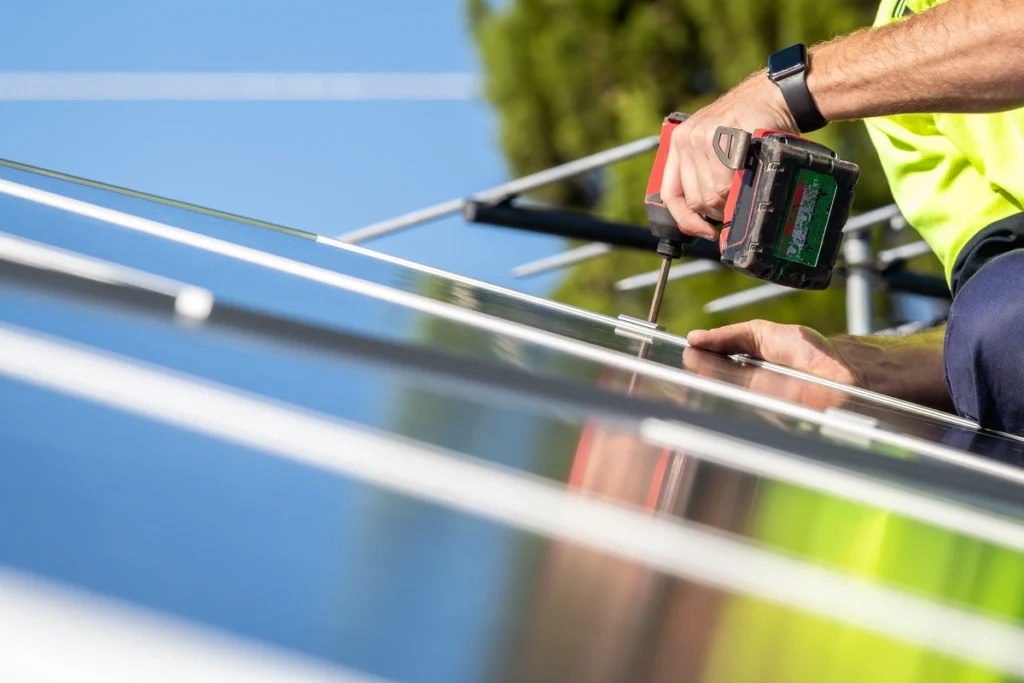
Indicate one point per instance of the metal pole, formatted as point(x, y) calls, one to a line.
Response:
point(869, 219)
point(574, 226)
point(579, 226)
point(860, 314)
point(899, 280)
point(405, 221)
point(678, 272)
point(502, 192)
point(562, 259)
point(903, 252)
point(580, 254)
point(748, 296)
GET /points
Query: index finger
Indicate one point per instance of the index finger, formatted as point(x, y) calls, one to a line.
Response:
point(738, 338)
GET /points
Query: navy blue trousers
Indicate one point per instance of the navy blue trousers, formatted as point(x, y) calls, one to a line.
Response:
point(984, 346)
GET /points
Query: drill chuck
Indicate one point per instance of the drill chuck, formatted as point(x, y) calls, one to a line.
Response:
point(670, 249)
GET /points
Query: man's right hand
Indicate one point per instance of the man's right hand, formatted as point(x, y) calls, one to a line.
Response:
point(904, 367)
point(695, 182)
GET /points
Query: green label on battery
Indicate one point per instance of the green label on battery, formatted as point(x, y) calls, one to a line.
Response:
point(806, 218)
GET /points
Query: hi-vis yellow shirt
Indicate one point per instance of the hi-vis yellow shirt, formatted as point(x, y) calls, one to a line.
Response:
point(950, 174)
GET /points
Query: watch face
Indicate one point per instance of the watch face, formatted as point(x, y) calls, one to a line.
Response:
point(787, 61)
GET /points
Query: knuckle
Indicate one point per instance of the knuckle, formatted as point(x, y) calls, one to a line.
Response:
point(670, 194)
point(680, 135)
point(762, 328)
point(713, 200)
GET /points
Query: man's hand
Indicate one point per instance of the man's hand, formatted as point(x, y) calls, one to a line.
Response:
point(695, 181)
point(794, 346)
point(908, 367)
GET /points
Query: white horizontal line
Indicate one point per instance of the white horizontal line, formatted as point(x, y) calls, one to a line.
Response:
point(35, 254)
point(769, 462)
point(251, 87)
point(501, 326)
point(526, 502)
point(54, 633)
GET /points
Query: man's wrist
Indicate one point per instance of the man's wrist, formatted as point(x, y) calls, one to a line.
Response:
point(764, 91)
point(863, 359)
point(821, 80)
point(849, 80)
point(910, 368)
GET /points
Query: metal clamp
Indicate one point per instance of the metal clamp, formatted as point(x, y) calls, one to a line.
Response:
point(635, 328)
point(848, 427)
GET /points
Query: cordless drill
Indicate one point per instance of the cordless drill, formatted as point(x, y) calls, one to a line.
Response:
point(784, 216)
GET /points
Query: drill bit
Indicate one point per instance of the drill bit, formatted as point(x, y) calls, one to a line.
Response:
point(659, 290)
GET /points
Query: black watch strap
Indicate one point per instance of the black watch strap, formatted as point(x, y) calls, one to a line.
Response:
point(801, 105)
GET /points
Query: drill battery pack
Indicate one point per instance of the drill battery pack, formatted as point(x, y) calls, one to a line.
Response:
point(789, 201)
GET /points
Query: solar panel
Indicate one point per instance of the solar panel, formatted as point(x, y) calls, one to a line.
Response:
point(142, 250)
point(383, 469)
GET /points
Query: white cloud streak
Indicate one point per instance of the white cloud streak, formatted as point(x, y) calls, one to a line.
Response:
point(245, 87)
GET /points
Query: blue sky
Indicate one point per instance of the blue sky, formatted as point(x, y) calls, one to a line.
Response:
point(328, 167)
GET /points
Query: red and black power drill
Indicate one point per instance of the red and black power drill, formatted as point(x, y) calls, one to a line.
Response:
point(784, 217)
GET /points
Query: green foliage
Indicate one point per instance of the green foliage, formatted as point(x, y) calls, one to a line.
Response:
point(572, 77)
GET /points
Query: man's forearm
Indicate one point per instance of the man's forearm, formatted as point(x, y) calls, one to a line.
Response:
point(962, 56)
point(909, 367)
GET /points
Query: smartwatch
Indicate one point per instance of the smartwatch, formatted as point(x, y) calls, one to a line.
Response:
point(787, 68)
